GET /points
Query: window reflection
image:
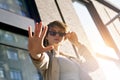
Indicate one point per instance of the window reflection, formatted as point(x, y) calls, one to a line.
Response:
point(10, 38)
point(17, 63)
point(12, 54)
point(6, 37)
point(36, 77)
point(15, 6)
point(1, 73)
point(15, 75)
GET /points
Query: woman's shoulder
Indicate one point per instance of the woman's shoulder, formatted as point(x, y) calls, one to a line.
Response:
point(73, 58)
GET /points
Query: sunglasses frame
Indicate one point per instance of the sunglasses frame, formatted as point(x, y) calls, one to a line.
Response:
point(54, 33)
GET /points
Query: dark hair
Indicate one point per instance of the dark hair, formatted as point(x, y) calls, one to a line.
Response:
point(55, 24)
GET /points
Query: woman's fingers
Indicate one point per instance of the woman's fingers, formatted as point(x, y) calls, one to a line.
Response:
point(72, 37)
point(29, 31)
point(39, 29)
point(44, 32)
point(38, 32)
point(36, 41)
point(35, 30)
point(48, 48)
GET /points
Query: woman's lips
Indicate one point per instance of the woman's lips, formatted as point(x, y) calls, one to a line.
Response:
point(57, 40)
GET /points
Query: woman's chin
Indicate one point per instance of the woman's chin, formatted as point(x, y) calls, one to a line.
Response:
point(57, 44)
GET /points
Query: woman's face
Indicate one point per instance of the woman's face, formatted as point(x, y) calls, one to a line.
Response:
point(55, 35)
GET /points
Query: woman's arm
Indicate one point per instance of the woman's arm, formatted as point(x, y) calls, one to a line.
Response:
point(36, 48)
point(89, 61)
point(35, 41)
point(42, 63)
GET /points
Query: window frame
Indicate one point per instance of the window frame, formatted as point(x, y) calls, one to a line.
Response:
point(103, 30)
point(12, 54)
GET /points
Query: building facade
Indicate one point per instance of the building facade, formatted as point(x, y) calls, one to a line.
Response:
point(96, 22)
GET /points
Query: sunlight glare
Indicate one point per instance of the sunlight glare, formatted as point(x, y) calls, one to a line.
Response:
point(108, 63)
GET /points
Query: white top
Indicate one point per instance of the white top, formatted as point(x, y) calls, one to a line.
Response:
point(69, 70)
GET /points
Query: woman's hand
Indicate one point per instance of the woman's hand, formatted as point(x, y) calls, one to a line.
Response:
point(35, 42)
point(72, 37)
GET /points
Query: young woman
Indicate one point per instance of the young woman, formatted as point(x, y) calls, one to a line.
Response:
point(44, 48)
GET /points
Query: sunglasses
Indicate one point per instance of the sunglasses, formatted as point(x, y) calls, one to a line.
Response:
point(53, 33)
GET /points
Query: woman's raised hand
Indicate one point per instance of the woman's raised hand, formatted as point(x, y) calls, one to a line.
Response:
point(72, 37)
point(35, 41)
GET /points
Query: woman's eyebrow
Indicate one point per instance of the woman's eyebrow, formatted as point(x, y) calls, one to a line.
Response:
point(60, 30)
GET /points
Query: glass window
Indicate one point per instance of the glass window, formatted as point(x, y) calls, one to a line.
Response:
point(1, 73)
point(111, 19)
point(113, 25)
point(36, 77)
point(114, 29)
point(7, 37)
point(24, 66)
point(15, 75)
point(15, 6)
point(88, 25)
point(10, 38)
point(12, 54)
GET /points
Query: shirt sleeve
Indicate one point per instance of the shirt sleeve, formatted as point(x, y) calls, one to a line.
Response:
point(42, 65)
point(88, 61)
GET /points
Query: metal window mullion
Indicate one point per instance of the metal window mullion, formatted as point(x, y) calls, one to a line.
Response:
point(113, 19)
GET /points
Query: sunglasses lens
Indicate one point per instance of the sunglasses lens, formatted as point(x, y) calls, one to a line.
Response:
point(61, 34)
point(53, 33)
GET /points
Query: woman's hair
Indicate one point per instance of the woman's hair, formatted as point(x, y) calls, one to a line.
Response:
point(55, 24)
point(58, 24)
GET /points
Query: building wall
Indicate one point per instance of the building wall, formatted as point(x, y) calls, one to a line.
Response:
point(48, 10)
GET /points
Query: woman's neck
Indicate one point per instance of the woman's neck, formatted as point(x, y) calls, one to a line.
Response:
point(56, 49)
